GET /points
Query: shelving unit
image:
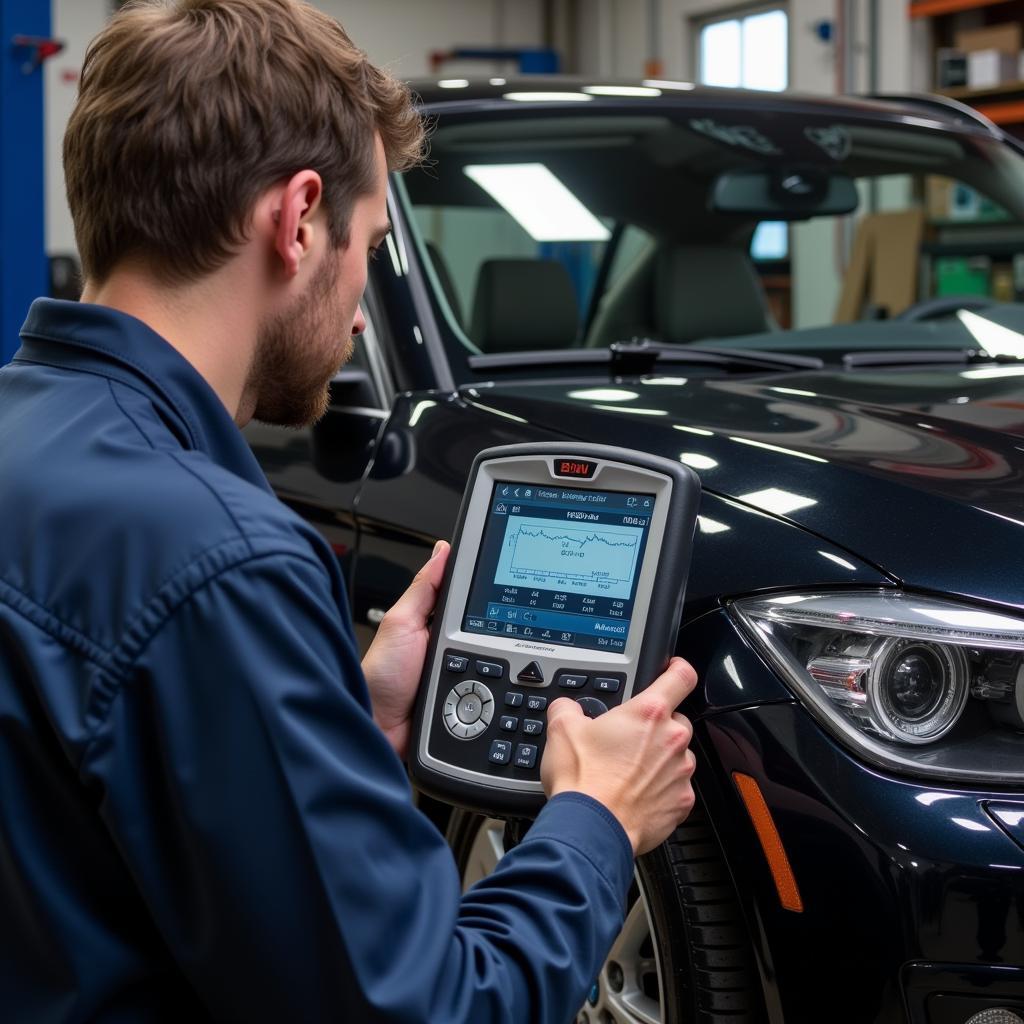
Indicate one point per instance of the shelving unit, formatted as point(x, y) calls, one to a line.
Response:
point(932, 8)
point(1004, 103)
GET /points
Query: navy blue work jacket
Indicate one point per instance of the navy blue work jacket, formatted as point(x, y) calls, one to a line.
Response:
point(198, 817)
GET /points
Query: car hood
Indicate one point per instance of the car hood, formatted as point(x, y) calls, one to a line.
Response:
point(919, 472)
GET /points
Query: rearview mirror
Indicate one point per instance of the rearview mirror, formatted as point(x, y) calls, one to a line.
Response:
point(784, 193)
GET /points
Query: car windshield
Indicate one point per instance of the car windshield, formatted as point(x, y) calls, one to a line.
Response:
point(737, 225)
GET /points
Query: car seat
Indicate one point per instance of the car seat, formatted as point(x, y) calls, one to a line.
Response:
point(684, 293)
point(523, 304)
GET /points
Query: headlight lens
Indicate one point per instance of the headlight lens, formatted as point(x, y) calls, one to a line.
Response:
point(916, 683)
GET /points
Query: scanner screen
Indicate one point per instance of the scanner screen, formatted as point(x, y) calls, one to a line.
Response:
point(559, 565)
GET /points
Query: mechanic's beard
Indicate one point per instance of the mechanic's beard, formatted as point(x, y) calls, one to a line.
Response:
point(296, 354)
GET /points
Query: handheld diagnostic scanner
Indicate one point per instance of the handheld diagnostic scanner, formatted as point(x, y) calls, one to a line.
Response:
point(566, 579)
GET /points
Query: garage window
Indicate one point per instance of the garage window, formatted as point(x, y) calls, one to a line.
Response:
point(748, 51)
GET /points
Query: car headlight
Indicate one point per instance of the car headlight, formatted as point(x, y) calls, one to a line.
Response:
point(915, 683)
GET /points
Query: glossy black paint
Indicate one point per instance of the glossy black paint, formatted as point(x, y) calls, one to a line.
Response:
point(913, 893)
point(890, 870)
point(936, 452)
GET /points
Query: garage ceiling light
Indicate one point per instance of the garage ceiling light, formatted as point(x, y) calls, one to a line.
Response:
point(547, 97)
point(539, 202)
point(621, 90)
point(454, 83)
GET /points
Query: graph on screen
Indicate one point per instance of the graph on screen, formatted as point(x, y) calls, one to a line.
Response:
point(590, 559)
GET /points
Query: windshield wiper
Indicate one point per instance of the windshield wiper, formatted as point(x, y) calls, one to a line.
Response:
point(631, 358)
point(923, 357)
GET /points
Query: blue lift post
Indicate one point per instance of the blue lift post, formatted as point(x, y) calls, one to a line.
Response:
point(23, 269)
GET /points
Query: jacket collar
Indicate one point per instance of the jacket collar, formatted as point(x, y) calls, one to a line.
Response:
point(97, 339)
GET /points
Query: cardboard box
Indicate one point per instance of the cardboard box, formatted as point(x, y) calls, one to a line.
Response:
point(938, 197)
point(1005, 38)
point(987, 68)
point(883, 268)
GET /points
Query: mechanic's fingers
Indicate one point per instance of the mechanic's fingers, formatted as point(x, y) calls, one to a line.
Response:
point(565, 708)
point(416, 604)
point(668, 691)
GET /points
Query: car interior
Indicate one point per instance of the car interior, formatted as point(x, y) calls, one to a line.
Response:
point(674, 204)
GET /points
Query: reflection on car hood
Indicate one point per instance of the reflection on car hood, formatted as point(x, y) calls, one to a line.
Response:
point(919, 471)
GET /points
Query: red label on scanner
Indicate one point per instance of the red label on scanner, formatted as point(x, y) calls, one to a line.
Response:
point(575, 467)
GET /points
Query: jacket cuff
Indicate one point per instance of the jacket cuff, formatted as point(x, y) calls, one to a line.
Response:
point(580, 821)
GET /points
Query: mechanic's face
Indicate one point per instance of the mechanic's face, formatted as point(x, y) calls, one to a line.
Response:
point(298, 352)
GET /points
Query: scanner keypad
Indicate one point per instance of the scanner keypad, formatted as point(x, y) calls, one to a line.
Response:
point(490, 704)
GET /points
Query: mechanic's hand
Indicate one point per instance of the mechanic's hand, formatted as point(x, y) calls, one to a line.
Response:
point(635, 759)
point(394, 663)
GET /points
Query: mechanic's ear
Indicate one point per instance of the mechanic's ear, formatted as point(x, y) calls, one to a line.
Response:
point(299, 203)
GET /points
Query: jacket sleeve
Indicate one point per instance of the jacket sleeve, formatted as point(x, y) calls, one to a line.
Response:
point(270, 829)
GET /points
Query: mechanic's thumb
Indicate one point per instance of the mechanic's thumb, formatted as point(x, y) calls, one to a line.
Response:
point(675, 683)
point(416, 604)
point(561, 707)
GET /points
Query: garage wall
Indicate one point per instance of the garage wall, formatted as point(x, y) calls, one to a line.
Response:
point(76, 22)
point(618, 45)
point(399, 34)
point(615, 34)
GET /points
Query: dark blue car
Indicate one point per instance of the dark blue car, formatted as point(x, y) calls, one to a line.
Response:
point(817, 305)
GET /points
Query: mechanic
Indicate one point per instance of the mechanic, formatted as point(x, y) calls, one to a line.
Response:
point(203, 808)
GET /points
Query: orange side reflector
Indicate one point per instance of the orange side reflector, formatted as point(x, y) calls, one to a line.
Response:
point(764, 825)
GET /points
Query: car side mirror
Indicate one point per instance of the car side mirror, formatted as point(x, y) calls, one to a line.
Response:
point(342, 440)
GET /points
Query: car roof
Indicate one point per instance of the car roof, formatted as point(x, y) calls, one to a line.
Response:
point(450, 93)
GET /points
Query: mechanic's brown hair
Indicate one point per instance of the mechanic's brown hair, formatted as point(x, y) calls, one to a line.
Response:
point(189, 110)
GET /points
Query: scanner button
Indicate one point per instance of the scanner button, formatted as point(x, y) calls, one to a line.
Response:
point(592, 707)
point(513, 699)
point(491, 669)
point(536, 703)
point(469, 709)
point(509, 723)
point(456, 662)
point(571, 681)
point(526, 755)
point(470, 731)
point(531, 674)
point(486, 699)
point(607, 683)
point(464, 688)
point(501, 752)
point(532, 727)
